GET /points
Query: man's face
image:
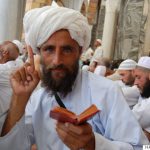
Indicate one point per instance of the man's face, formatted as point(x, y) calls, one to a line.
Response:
point(60, 55)
point(97, 44)
point(127, 76)
point(143, 82)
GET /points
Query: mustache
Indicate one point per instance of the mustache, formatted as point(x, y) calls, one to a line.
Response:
point(51, 67)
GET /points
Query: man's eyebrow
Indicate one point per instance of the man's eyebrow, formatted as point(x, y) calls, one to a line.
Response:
point(67, 46)
point(47, 46)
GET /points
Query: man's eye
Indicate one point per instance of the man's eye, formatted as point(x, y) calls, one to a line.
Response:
point(67, 50)
point(49, 49)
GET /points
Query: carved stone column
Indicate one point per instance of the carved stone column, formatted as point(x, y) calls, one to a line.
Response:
point(110, 26)
point(129, 29)
point(146, 50)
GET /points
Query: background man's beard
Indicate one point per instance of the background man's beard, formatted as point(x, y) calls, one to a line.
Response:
point(64, 85)
point(146, 90)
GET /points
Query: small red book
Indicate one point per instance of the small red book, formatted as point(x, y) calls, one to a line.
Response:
point(64, 115)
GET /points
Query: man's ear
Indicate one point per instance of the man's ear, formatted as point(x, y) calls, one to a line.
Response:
point(5, 53)
point(5, 56)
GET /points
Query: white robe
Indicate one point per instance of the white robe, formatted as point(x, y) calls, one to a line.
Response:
point(115, 127)
point(142, 112)
point(98, 54)
point(131, 94)
point(5, 87)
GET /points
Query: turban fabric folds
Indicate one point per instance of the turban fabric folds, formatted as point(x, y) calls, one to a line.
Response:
point(41, 23)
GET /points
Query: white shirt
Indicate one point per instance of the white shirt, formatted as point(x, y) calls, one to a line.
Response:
point(5, 87)
point(131, 94)
point(111, 125)
point(98, 53)
point(142, 112)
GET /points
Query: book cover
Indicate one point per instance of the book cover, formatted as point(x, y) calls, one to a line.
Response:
point(64, 115)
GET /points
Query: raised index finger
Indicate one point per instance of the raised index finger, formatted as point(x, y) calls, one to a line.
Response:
point(31, 57)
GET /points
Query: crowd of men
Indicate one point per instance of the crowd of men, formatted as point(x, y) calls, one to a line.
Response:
point(49, 67)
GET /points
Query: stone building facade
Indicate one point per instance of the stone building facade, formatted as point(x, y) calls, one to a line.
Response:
point(132, 29)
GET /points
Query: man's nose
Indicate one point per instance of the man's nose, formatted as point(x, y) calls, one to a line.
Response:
point(57, 58)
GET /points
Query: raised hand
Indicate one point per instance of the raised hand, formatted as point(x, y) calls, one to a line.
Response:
point(76, 137)
point(25, 79)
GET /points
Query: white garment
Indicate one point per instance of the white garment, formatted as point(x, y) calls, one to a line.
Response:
point(142, 112)
point(98, 54)
point(85, 67)
point(111, 126)
point(120, 83)
point(89, 53)
point(100, 70)
point(131, 94)
point(5, 87)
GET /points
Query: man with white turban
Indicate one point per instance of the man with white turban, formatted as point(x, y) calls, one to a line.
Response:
point(126, 71)
point(98, 53)
point(59, 35)
point(142, 81)
point(126, 82)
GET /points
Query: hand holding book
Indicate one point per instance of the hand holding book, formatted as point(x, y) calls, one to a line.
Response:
point(64, 115)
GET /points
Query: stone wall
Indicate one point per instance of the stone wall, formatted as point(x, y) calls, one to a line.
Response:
point(93, 17)
point(129, 29)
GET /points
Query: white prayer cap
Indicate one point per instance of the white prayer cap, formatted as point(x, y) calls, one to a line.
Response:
point(100, 70)
point(128, 64)
point(19, 45)
point(144, 62)
point(40, 27)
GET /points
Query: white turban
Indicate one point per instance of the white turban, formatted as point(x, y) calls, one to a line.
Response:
point(128, 64)
point(144, 62)
point(41, 23)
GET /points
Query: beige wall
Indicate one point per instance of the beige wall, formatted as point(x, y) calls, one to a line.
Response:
point(36, 3)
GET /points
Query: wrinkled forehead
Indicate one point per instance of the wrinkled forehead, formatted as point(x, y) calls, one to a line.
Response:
point(142, 72)
point(142, 69)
